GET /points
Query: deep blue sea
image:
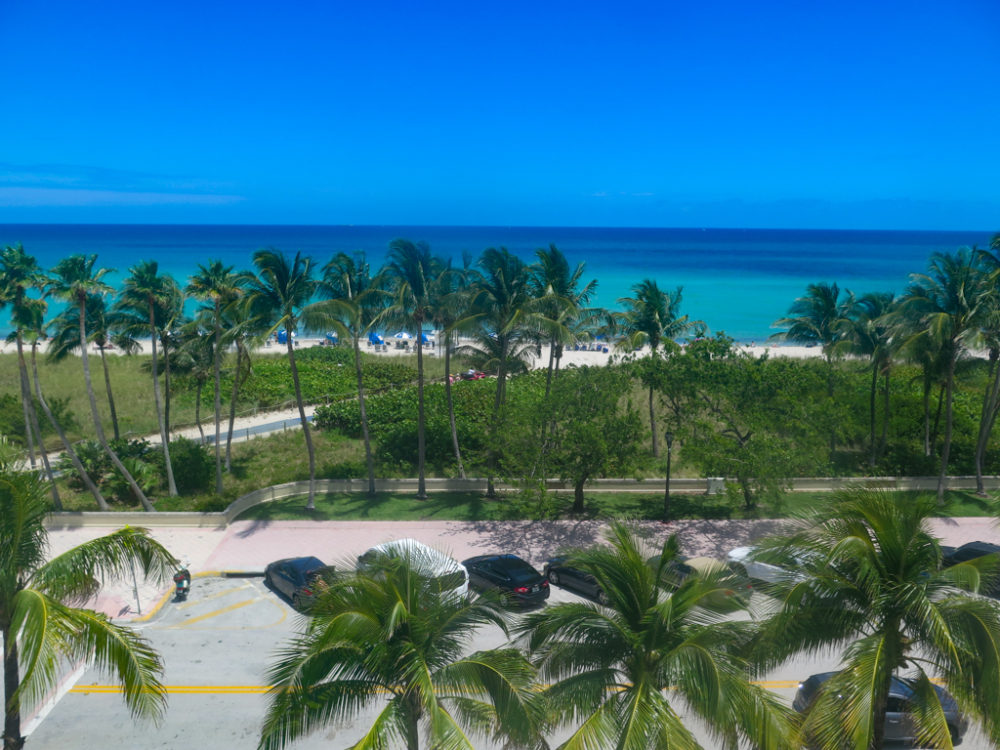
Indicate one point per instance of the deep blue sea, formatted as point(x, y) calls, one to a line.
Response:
point(736, 280)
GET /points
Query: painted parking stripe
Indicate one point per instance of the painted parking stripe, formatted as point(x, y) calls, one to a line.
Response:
point(216, 595)
point(215, 613)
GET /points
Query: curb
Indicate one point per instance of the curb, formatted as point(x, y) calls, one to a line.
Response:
point(203, 574)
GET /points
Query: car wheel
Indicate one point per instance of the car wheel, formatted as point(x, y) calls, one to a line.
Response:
point(268, 581)
point(956, 738)
point(553, 577)
point(296, 601)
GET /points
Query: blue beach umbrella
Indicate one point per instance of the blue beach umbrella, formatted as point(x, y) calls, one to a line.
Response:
point(402, 336)
point(375, 339)
point(331, 337)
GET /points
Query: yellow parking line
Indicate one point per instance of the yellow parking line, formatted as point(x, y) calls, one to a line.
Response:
point(214, 613)
point(216, 595)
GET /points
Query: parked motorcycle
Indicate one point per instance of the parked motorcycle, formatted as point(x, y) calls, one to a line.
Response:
point(182, 583)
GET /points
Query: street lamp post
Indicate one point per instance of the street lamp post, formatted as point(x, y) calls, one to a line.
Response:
point(669, 437)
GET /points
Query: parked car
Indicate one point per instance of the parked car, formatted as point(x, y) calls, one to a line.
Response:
point(898, 720)
point(558, 573)
point(736, 587)
point(742, 561)
point(973, 551)
point(296, 578)
point(510, 575)
point(437, 566)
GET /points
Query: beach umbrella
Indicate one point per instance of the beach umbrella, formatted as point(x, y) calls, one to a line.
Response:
point(283, 336)
point(402, 336)
point(425, 339)
point(331, 337)
point(375, 339)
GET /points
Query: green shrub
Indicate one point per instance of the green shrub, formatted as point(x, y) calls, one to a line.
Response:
point(194, 466)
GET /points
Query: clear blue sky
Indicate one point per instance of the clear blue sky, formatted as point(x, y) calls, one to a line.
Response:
point(715, 113)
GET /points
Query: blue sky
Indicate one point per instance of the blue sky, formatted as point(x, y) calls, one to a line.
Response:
point(715, 113)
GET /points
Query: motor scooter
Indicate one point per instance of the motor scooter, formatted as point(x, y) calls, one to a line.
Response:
point(182, 583)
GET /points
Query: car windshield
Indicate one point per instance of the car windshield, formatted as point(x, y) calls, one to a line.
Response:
point(519, 571)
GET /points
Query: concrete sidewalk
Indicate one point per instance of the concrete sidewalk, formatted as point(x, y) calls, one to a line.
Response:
point(248, 546)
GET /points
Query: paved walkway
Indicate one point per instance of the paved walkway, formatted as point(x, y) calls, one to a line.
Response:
point(247, 546)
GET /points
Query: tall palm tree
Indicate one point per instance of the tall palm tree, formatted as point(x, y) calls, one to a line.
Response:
point(356, 301)
point(103, 329)
point(506, 322)
point(562, 299)
point(281, 292)
point(410, 272)
point(948, 303)
point(38, 619)
point(219, 285)
point(195, 357)
point(621, 671)
point(652, 317)
point(871, 585)
point(75, 279)
point(390, 639)
point(143, 290)
point(34, 327)
point(868, 327)
point(991, 340)
point(19, 274)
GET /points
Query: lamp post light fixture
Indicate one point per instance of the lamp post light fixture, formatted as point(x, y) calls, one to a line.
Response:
point(669, 437)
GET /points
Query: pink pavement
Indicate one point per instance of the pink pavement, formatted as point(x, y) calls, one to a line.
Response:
point(248, 546)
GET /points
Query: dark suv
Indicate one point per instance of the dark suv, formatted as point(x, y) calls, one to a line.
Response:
point(898, 721)
point(972, 551)
point(510, 575)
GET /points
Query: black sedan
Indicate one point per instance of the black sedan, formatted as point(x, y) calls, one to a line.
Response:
point(296, 578)
point(510, 575)
point(560, 574)
point(974, 551)
point(898, 721)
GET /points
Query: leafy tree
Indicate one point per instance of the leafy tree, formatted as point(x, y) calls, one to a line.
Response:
point(652, 317)
point(619, 671)
point(872, 586)
point(76, 279)
point(393, 639)
point(219, 285)
point(39, 619)
point(411, 271)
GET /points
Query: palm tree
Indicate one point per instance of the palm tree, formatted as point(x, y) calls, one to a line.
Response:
point(75, 279)
point(219, 285)
point(356, 299)
point(562, 300)
point(868, 327)
point(103, 329)
point(144, 290)
point(948, 303)
point(991, 340)
point(20, 273)
point(871, 585)
point(390, 639)
point(280, 293)
point(195, 357)
point(506, 320)
point(38, 619)
point(410, 271)
point(620, 670)
point(652, 317)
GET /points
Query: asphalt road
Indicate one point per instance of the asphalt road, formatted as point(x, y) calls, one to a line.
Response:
point(216, 649)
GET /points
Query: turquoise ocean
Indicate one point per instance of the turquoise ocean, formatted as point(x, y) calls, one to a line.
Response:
point(735, 280)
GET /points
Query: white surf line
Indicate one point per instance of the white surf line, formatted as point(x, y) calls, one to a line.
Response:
point(67, 684)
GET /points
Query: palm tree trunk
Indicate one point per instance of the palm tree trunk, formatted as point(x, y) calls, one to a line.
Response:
point(871, 415)
point(987, 419)
point(937, 416)
point(421, 424)
point(948, 424)
point(12, 739)
point(927, 417)
point(495, 428)
point(311, 503)
point(369, 458)
point(197, 412)
point(98, 427)
point(578, 497)
point(164, 436)
point(232, 406)
point(77, 464)
point(884, 439)
point(25, 399)
point(35, 426)
point(217, 365)
point(451, 407)
point(111, 396)
point(166, 384)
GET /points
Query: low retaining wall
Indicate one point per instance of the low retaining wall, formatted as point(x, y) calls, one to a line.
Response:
point(681, 485)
